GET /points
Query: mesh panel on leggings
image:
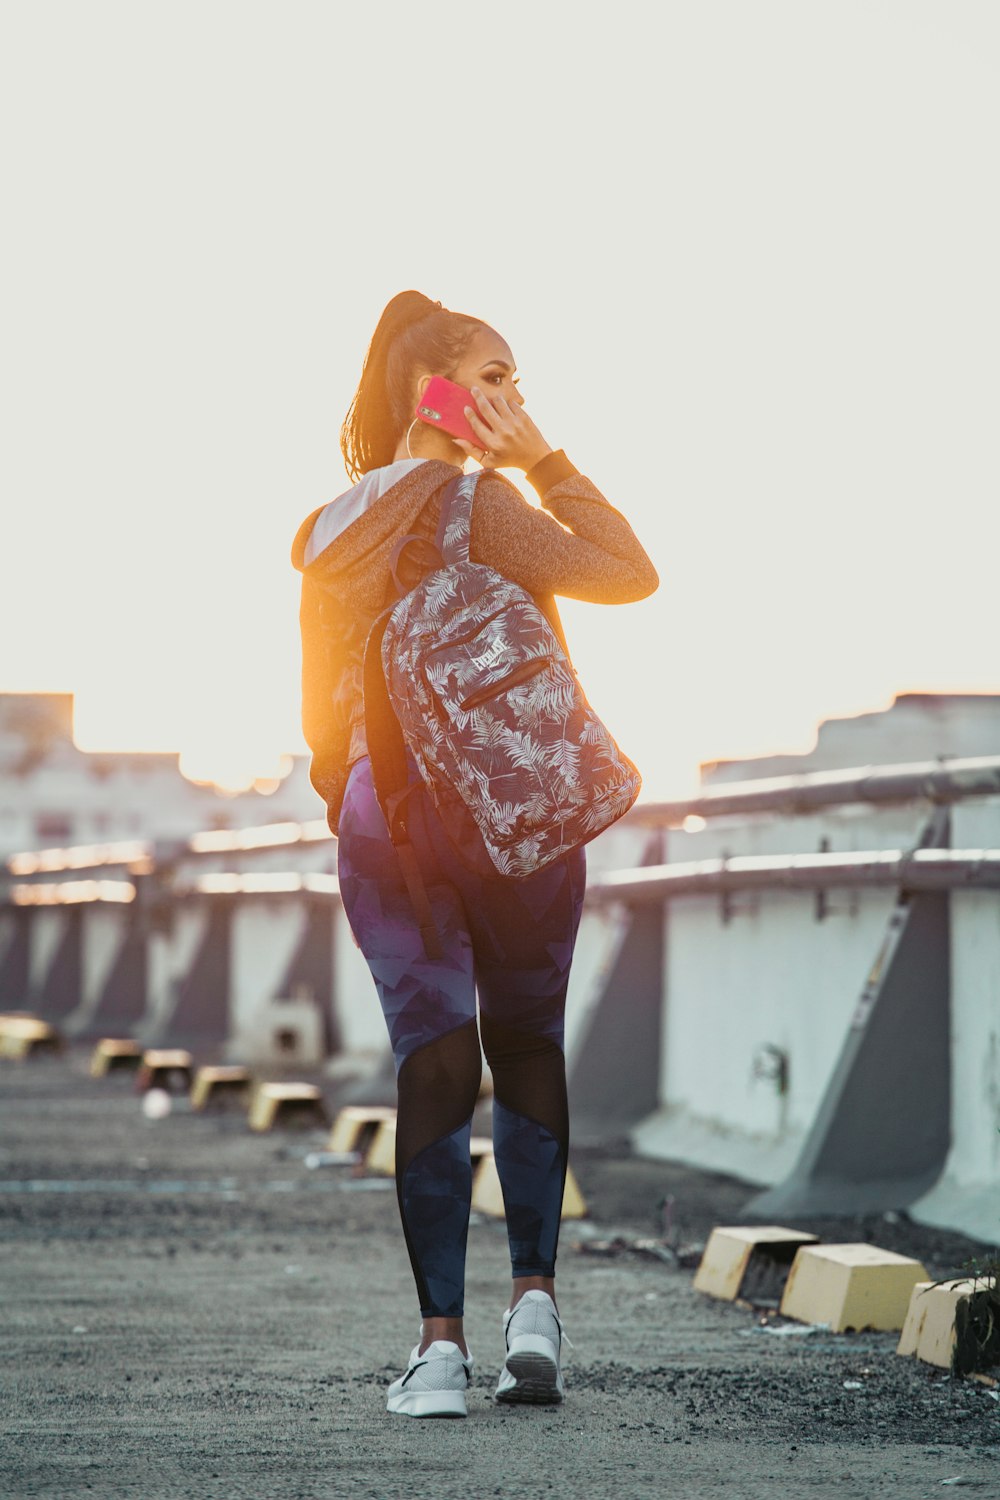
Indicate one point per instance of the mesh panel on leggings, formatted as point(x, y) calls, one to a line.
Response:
point(530, 1140)
point(437, 1086)
point(529, 1076)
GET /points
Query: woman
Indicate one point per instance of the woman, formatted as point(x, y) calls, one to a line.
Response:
point(510, 939)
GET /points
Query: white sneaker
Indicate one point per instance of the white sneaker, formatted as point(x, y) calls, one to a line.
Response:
point(435, 1383)
point(534, 1335)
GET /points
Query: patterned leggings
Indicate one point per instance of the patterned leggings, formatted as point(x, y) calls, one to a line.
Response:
point(513, 941)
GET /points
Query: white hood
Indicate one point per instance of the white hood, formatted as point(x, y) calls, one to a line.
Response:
point(342, 512)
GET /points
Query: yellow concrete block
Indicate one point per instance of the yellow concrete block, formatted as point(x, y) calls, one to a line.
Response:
point(219, 1086)
point(113, 1054)
point(850, 1286)
point(480, 1146)
point(926, 1307)
point(573, 1204)
point(734, 1251)
point(929, 1329)
point(487, 1196)
point(22, 1035)
point(381, 1156)
point(355, 1126)
point(286, 1104)
point(163, 1068)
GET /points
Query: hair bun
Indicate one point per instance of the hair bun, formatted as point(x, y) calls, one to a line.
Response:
point(407, 308)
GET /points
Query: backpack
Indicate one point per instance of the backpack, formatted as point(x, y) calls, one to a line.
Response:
point(468, 677)
point(487, 704)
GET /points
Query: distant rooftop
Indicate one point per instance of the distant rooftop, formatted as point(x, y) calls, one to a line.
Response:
point(37, 729)
point(917, 727)
point(36, 716)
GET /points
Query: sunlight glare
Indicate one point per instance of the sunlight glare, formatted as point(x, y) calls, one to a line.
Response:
point(233, 771)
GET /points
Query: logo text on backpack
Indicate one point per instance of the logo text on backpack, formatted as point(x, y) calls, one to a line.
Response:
point(491, 656)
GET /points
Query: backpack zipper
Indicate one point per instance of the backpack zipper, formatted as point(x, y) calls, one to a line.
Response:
point(523, 673)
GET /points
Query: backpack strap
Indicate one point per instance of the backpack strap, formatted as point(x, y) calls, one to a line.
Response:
point(386, 746)
point(451, 543)
point(428, 557)
point(391, 778)
point(455, 525)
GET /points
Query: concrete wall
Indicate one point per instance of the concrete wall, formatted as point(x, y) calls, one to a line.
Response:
point(968, 1193)
point(770, 993)
point(767, 982)
point(777, 976)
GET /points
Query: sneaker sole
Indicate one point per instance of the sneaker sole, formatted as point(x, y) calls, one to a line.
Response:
point(536, 1380)
point(428, 1404)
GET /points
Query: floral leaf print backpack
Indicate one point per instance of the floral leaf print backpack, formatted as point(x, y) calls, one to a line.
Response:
point(489, 707)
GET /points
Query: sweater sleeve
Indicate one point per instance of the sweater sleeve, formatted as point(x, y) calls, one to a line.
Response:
point(582, 549)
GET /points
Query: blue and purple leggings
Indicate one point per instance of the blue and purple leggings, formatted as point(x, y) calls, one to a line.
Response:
point(512, 940)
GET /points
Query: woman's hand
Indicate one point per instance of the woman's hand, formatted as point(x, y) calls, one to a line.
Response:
point(508, 437)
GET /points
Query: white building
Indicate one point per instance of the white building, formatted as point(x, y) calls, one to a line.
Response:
point(53, 795)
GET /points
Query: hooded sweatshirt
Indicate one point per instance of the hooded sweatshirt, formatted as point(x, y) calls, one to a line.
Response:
point(578, 546)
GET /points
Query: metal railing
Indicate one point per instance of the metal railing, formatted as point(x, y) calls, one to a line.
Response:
point(905, 870)
point(935, 781)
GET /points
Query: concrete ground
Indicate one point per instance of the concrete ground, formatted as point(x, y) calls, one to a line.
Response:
point(190, 1310)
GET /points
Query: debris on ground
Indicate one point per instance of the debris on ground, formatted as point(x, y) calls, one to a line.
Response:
point(683, 1257)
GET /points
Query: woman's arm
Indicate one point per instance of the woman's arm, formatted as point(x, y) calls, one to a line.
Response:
point(584, 549)
point(588, 551)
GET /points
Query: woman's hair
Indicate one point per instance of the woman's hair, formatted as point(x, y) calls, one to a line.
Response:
point(414, 334)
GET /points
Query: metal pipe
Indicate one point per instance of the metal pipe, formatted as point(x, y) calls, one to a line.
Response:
point(907, 870)
point(904, 869)
point(939, 781)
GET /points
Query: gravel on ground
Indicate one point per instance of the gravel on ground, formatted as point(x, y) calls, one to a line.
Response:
point(190, 1309)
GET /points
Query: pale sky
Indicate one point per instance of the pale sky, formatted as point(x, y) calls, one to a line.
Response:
point(745, 254)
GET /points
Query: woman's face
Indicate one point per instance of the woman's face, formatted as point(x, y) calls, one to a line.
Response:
point(489, 364)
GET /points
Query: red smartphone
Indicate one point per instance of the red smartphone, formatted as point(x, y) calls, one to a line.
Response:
point(443, 405)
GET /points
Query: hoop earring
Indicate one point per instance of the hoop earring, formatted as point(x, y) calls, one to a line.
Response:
point(409, 451)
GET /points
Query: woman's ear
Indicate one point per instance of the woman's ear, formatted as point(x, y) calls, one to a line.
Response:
point(422, 383)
